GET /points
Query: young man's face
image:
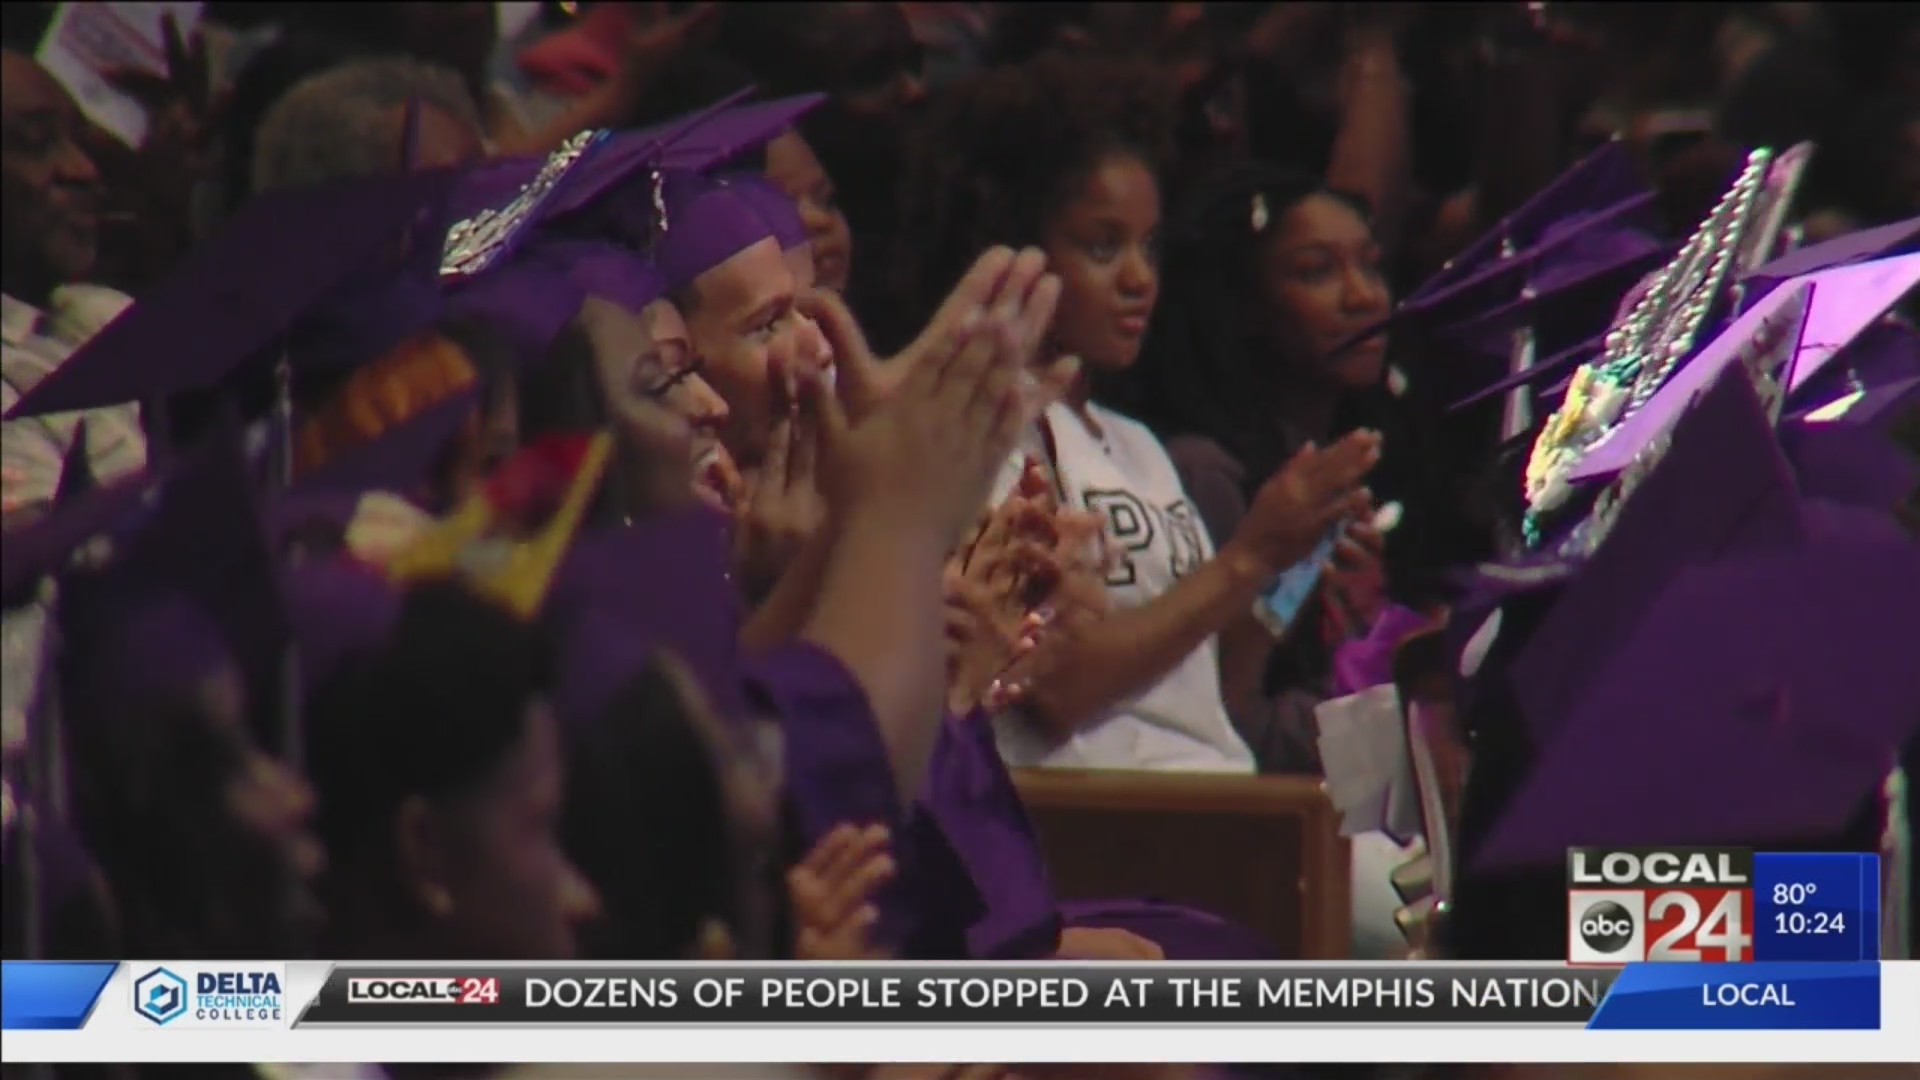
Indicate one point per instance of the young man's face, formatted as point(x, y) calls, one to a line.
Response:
point(744, 327)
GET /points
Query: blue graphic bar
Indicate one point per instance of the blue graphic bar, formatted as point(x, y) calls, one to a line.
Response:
point(1742, 997)
point(1816, 908)
point(37, 996)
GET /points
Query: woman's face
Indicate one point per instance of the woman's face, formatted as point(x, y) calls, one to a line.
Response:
point(1103, 244)
point(506, 888)
point(1321, 279)
point(793, 167)
point(653, 384)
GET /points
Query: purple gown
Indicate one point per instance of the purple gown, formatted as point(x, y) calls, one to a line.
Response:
point(972, 882)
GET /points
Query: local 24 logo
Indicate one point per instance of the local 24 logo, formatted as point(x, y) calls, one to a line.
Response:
point(1689, 905)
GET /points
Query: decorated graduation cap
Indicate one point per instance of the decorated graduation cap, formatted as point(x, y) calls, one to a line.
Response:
point(1785, 340)
point(313, 272)
point(1804, 715)
point(1647, 344)
point(1719, 487)
point(774, 206)
point(533, 296)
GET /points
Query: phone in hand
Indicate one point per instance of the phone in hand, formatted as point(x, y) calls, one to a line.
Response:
point(1280, 606)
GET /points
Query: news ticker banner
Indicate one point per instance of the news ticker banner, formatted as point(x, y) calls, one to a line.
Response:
point(309, 1011)
point(1727, 905)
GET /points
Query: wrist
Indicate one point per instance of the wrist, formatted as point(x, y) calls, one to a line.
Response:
point(1246, 569)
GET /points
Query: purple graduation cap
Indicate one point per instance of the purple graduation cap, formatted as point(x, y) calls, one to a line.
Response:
point(203, 548)
point(337, 608)
point(618, 162)
point(1607, 177)
point(699, 142)
point(774, 206)
point(1721, 487)
point(1790, 670)
point(1839, 304)
point(1901, 237)
point(284, 261)
point(534, 294)
point(706, 224)
point(1851, 298)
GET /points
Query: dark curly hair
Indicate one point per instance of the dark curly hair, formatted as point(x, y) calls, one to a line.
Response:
point(1003, 150)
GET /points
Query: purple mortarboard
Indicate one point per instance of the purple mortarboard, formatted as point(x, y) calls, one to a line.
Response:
point(1862, 246)
point(1605, 178)
point(1578, 282)
point(1855, 464)
point(1849, 299)
point(284, 258)
point(1575, 270)
point(706, 224)
point(496, 207)
point(205, 542)
point(42, 547)
point(1790, 670)
point(699, 142)
point(1865, 384)
point(774, 206)
point(1721, 487)
point(1558, 363)
point(1764, 340)
point(623, 594)
point(337, 608)
point(536, 293)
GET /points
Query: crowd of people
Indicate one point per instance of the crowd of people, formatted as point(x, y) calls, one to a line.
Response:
point(629, 481)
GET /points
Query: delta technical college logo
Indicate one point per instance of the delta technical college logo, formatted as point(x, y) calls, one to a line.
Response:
point(160, 996)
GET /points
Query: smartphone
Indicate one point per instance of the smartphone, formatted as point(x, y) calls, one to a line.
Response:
point(1281, 605)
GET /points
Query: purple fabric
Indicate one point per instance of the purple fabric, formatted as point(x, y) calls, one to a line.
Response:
point(1368, 661)
point(40, 548)
point(338, 608)
point(835, 763)
point(971, 798)
point(623, 594)
point(1723, 487)
point(1847, 299)
point(205, 541)
point(1843, 251)
point(1850, 463)
point(281, 259)
point(774, 206)
point(1605, 177)
point(1790, 670)
point(705, 227)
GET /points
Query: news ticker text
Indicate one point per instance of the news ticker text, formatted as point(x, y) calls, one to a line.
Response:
point(145, 995)
point(1720, 905)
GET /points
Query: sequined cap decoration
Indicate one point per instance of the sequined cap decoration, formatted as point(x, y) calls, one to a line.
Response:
point(1645, 346)
point(480, 241)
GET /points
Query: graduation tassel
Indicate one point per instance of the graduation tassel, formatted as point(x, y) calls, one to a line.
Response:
point(292, 731)
point(1516, 415)
point(1896, 871)
point(45, 787)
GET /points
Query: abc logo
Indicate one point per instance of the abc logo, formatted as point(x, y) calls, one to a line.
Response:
point(1606, 927)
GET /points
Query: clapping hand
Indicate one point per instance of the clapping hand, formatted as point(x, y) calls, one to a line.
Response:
point(832, 890)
